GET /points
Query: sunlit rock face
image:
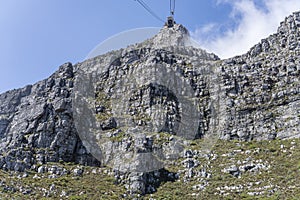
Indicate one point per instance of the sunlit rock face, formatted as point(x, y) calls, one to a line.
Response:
point(134, 109)
point(177, 35)
point(262, 87)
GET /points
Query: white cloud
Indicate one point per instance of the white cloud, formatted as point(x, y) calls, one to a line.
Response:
point(253, 24)
point(207, 28)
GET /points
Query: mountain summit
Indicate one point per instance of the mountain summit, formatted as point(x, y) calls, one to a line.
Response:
point(177, 35)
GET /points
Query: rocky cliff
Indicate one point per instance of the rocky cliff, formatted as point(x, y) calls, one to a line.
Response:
point(136, 109)
point(37, 124)
point(262, 87)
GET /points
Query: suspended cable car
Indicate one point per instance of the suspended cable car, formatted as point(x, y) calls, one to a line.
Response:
point(170, 20)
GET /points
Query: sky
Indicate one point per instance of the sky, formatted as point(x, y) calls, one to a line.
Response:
point(37, 36)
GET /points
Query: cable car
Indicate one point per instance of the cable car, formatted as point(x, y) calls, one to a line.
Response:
point(170, 22)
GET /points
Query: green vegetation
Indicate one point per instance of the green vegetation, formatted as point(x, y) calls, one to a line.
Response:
point(282, 177)
point(279, 181)
point(103, 100)
point(161, 138)
point(97, 185)
point(118, 137)
point(103, 116)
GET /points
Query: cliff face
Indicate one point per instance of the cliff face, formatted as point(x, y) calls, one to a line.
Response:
point(37, 124)
point(145, 102)
point(262, 87)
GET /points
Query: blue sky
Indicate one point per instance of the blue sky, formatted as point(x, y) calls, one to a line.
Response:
point(37, 36)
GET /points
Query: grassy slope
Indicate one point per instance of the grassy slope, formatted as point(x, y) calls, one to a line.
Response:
point(282, 178)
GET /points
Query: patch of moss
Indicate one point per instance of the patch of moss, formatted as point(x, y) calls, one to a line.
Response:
point(103, 116)
point(118, 137)
point(103, 100)
point(161, 138)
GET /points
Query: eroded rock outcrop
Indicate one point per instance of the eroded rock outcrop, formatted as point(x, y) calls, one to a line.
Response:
point(37, 125)
point(262, 87)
